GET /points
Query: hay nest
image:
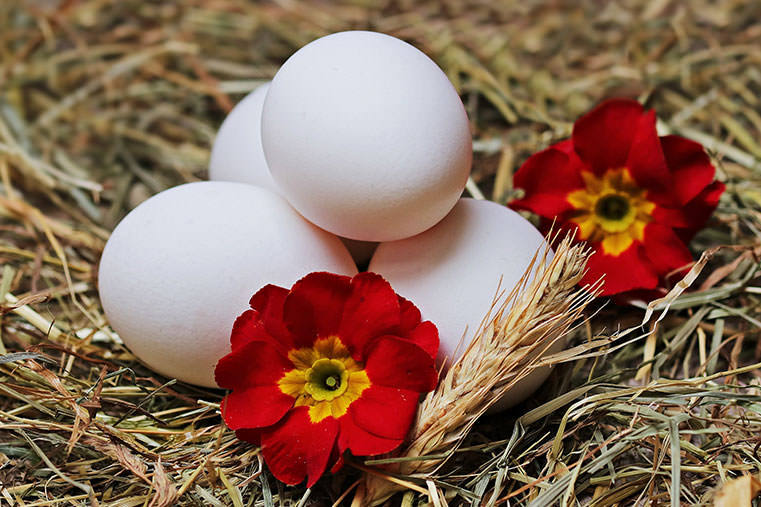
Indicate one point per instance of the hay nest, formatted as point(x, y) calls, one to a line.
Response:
point(105, 103)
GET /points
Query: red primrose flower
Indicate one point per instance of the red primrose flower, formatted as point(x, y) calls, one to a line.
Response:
point(636, 198)
point(334, 364)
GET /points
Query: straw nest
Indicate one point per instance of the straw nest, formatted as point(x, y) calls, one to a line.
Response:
point(105, 103)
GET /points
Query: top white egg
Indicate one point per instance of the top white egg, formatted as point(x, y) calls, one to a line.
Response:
point(237, 154)
point(366, 137)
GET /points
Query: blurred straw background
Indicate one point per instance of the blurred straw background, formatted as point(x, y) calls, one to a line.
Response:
point(104, 103)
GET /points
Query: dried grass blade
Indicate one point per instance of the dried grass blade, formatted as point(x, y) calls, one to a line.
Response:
point(84, 487)
point(676, 462)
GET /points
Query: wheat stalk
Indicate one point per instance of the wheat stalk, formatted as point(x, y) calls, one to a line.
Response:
point(516, 333)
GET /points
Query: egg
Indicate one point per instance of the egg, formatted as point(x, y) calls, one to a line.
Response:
point(452, 273)
point(366, 137)
point(237, 153)
point(180, 267)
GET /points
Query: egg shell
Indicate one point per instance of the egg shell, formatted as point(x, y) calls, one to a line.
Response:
point(452, 272)
point(366, 136)
point(180, 268)
point(237, 153)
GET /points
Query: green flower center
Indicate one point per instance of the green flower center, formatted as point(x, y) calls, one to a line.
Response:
point(612, 207)
point(333, 382)
point(326, 379)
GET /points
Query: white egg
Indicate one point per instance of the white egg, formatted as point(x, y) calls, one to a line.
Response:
point(452, 272)
point(180, 268)
point(237, 153)
point(366, 136)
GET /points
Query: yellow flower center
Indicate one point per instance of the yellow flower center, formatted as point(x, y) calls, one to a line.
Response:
point(325, 378)
point(612, 210)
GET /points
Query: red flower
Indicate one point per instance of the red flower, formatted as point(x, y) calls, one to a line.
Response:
point(635, 197)
point(334, 364)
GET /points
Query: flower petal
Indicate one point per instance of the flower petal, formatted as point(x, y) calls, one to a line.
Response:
point(256, 363)
point(547, 178)
point(268, 301)
point(385, 412)
point(700, 210)
point(645, 160)
point(255, 407)
point(397, 363)
point(688, 219)
point(371, 310)
point(362, 443)
point(314, 307)
point(627, 271)
point(252, 371)
point(337, 458)
point(422, 334)
point(690, 167)
point(603, 137)
point(248, 327)
point(338, 462)
point(409, 316)
point(565, 146)
point(295, 448)
point(426, 336)
point(252, 436)
point(666, 251)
